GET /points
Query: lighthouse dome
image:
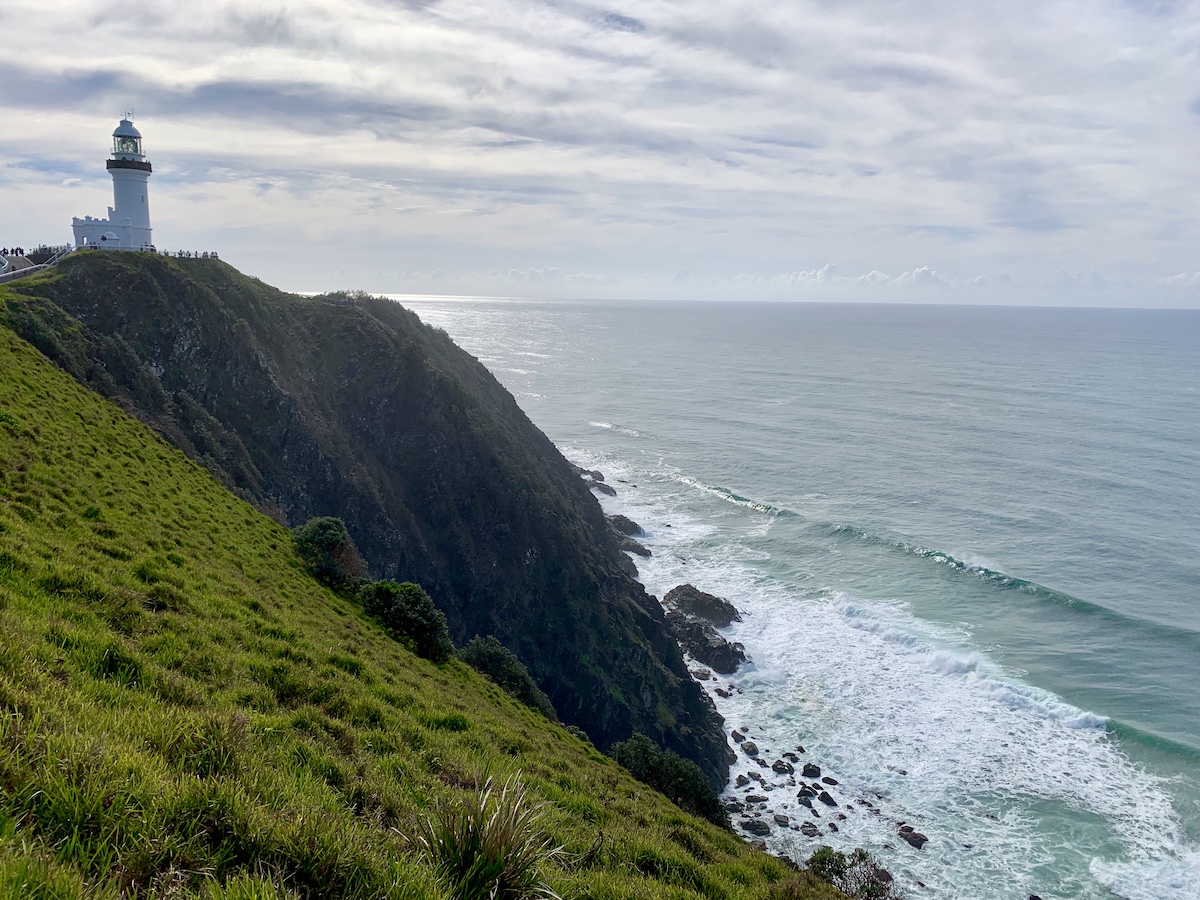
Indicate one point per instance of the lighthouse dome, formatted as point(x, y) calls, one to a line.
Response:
point(125, 129)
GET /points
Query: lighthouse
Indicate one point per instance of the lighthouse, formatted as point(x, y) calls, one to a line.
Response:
point(128, 224)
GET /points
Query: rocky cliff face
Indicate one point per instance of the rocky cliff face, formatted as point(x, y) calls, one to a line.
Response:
point(357, 410)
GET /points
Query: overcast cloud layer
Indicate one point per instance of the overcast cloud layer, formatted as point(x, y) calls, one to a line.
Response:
point(992, 151)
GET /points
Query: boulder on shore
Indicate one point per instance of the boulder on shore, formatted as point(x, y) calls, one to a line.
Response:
point(701, 640)
point(587, 474)
point(755, 826)
point(915, 838)
point(694, 602)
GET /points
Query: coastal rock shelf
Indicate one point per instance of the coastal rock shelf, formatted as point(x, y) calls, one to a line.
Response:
point(694, 617)
point(795, 808)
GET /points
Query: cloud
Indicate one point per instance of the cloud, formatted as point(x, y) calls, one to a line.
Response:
point(922, 277)
point(716, 137)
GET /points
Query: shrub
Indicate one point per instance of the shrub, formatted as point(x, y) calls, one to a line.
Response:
point(669, 773)
point(324, 544)
point(857, 876)
point(490, 847)
point(408, 613)
point(491, 658)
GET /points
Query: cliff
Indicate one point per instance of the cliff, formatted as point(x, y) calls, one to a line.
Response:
point(308, 407)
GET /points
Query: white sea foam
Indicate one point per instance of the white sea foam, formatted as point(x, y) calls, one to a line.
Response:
point(976, 562)
point(1173, 878)
point(620, 429)
point(871, 692)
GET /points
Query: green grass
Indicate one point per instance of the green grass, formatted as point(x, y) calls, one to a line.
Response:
point(184, 712)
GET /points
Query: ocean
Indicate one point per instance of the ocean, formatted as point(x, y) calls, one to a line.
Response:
point(966, 545)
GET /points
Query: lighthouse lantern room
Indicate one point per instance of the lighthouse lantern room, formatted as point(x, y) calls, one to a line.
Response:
point(128, 224)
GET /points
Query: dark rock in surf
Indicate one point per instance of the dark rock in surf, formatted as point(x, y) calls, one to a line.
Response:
point(811, 770)
point(915, 838)
point(628, 543)
point(742, 781)
point(696, 603)
point(808, 829)
point(782, 767)
point(701, 640)
point(603, 488)
point(738, 737)
point(781, 819)
point(625, 525)
point(828, 780)
point(750, 748)
point(755, 826)
point(826, 799)
point(755, 798)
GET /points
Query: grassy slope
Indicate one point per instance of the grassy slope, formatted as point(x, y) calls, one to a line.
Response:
point(185, 711)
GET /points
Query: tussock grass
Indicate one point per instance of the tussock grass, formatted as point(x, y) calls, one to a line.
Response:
point(490, 846)
point(185, 712)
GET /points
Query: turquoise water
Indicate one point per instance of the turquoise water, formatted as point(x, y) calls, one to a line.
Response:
point(966, 541)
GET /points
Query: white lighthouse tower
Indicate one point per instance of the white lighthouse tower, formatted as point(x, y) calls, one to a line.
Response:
point(128, 224)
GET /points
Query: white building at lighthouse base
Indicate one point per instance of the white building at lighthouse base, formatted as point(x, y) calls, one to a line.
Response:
point(90, 231)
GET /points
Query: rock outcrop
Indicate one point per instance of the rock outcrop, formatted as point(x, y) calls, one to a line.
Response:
point(625, 525)
point(699, 605)
point(702, 641)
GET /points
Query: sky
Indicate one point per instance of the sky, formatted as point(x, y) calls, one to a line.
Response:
point(993, 151)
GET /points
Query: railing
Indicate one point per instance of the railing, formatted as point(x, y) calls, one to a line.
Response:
point(7, 275)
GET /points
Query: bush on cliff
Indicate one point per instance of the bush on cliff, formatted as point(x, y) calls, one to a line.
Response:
point(857, 875)
point(669, 773)
point(491, 658)
point(324, 544)
point(408, 613)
